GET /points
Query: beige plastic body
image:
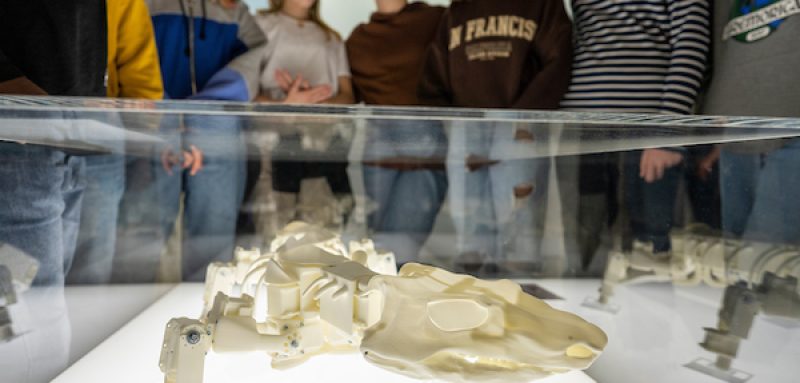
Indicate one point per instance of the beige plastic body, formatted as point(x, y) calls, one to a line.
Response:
point(701, 258)
point(17, 271)
point(311, 294)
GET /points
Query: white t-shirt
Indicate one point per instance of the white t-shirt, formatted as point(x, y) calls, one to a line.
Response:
point(302, 48)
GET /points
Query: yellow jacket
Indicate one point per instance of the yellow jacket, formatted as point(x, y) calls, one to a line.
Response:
point(133, 67)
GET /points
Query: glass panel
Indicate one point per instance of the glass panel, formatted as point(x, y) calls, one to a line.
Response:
point(112, 210)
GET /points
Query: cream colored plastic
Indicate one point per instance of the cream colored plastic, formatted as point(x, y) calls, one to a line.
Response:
point(21, 266)
point(310, 294)
point(698, 257)
point(757, 277)
point(17, 271)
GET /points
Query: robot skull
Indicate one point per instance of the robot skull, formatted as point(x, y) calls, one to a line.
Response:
point(437, 324)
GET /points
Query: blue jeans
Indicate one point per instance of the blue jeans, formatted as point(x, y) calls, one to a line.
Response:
point(651, 205)
point(98, 229)
point(212, 197)
point(760, 194)
point(489, 220)
point(41, 191)
point(408, 201)
point(141, 238)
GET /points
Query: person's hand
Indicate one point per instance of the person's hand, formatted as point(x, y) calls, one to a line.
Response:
point(655, 161)
point(169, 159)
point(312, 95)
point(191, 159)
point(229, 4)
point(706, 165)
point(285, 80)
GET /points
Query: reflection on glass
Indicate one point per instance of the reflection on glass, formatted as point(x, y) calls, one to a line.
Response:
point(108, 191)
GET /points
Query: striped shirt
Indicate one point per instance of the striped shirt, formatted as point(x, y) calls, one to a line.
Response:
point(638, 56)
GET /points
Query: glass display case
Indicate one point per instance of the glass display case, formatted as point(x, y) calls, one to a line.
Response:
point(675, 235)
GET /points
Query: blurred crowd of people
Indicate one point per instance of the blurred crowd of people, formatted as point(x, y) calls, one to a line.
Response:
point(727, 57)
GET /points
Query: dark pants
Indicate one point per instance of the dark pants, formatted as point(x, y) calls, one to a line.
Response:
point(597, 203)
point(650, 205)
point(292, 164)
point(704, 194)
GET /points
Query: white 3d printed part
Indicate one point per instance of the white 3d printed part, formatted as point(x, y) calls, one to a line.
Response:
point(310, 294)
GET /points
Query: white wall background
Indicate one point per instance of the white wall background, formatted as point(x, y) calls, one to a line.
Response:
point(342, 15)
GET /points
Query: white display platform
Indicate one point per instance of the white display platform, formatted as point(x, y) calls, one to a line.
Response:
point(57, 326)
point(659, 327)
point(131, 355)
point(656, 332)
point(120, 304)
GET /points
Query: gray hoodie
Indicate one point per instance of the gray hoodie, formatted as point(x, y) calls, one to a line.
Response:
point(756, 70)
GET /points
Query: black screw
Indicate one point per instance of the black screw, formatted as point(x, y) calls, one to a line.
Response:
point(193, 337)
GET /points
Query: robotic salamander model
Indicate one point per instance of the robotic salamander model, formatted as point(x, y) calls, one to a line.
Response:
point(309, 294)
point(757, 277)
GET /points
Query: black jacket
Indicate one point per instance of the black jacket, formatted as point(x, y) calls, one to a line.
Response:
point(58, 45)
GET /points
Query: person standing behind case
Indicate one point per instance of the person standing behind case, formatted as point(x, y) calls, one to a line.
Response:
point(755, 73)
point(304, 51)
point(497, 54)
point(403, 165)
point(47, 48)
point(637, 57)
point(304, 63)
point(133, 72)
point(133, 66)
point(209, 50)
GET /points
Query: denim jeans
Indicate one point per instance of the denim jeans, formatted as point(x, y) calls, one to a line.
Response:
point(212, 197)
point(141, 238)
point(408, 201)
point(489, 220)
point(759, 194)
point(41, 191)
point(98, 229)
point(650, 205)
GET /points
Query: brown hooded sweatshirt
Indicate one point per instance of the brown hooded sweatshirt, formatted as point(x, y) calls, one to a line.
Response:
point(386, 54)
point(499, 54)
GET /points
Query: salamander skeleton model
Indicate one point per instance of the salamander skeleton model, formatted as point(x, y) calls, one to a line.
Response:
point(310, 294)
point(758, 277)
